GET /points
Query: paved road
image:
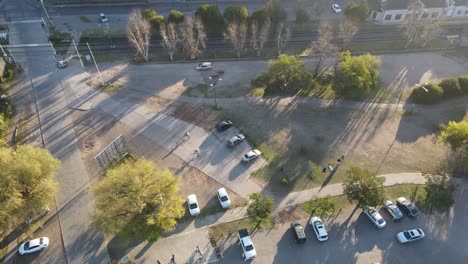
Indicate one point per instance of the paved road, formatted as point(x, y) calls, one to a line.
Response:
point(78, 242)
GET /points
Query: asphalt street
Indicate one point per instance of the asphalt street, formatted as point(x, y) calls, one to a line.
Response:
point(78, 242)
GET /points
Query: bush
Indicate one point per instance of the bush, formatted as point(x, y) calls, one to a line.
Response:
point(261, 80)
point(302, 16)
point(451, 87)
point(357, 11)
point(463, 82)
point(285, 180)
point(7, 75)
point(433, 95)
point(175, 16)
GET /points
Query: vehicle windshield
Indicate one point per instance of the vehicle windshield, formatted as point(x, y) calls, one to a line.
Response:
point(27, 245)
point(407, 235)
point(193, 206)
point(380, 221)
point(224, 198)
point(323, 237)
point(249, 248)
point(413, 209)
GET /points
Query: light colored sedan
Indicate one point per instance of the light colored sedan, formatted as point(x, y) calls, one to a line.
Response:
point(192, 203)
point(251, 155)
point(319, 228)
point(34, 245)
point(235, 140)
point(223, 198)
point(410, 235)
point(375, 217)
point(336, 8)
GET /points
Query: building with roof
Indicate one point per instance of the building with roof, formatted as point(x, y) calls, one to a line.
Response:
point(395, 11)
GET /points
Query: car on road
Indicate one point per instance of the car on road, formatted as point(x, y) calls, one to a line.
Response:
point(251, 155)
point(375, 217)
point(62, 64)
point(248, 248)
point(192, 204)
point(103, 18)
point(410, 235)
point(204, 66)
point(393, 210)
point(223, 198)
point(407, 206)
point(319, 228)
point(37, 244)
point(235, 140)
point(224, 125)
point(299, 233)
point(336, 8)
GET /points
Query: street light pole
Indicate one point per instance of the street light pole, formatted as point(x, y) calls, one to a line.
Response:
point(214, 86)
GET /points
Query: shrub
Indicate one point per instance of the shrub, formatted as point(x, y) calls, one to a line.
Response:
point(7, 75)
point(463, 82)
point(433, 94)
point(302, 16)
point(175, 16)
point(285, 180)
point(261, 80)
point(451, 87)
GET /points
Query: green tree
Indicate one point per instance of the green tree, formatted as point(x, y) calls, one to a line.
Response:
point(455, 134)
point(27, 183)
point(175, 16)
point(155, 20)
point(137, 200)
point(357, 12)
point(357, 76)
point(463, 81)
point(430, 93)
point(302, 17)
point(260, 16)
point(212, 19)
point(451, 87)
point(3, 125)
point(261, 207)
point(363, 187)
point(322, 206)
point(439, 192)
point(276, 12)
point(236, 14)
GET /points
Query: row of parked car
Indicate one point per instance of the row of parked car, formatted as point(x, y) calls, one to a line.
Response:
point(194, 207)
point(236, 140)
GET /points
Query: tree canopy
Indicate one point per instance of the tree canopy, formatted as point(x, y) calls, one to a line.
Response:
point(212, 19)
point(302, 16)
point(236, 14)
point(175, 16)
point(137, 200)
point(357, 12)
point(27, 183)
point(153, 17)
point(455, 134)
point(261, 207)
point(363, 187)
point(439, 192)
point(276, 12)
point(357, 76)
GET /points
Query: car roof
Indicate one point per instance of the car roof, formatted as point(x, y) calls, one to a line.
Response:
point(206, 63)
point(222, 192)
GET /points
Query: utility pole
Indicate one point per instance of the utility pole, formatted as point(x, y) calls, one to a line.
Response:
point(53, 49)
point(47, 14)
point(213, 84)
point(97, 68)
point(81, 61)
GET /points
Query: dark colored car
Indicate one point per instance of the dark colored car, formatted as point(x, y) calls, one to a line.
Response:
point(224, 125)
point(299, 233)
point(407, 206)
point(394, 211)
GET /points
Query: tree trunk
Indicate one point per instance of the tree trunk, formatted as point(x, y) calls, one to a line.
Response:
point(258, 53)
point(238, 53)
point(170, 55)
point(279, 52)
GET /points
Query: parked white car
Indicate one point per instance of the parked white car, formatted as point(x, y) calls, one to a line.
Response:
point(34, 245)
point(103, 18)
point(204, 66)
point(235, 140)
point(251, 155)
point(375, 217)
point(319, 228)
point(336, 8)
point(410, 235)
point(223, 198)
point(192, 204)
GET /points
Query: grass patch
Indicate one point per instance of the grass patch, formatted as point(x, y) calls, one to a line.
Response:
point(341, 203)
point(393, 45)
point(105, 58)
point(230, 229)
point(257, 92)
point(85, 19)
point(61, 41)
point(111, 87)
point(98, 35)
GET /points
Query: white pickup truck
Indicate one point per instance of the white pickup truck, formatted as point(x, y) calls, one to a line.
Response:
point(247, 245)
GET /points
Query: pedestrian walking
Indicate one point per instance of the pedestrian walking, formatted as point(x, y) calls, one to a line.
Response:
point(198, 250)
point(196, 152)
point(173, 259)
point(324, 170)
point(187, 134)
point(158, 262)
